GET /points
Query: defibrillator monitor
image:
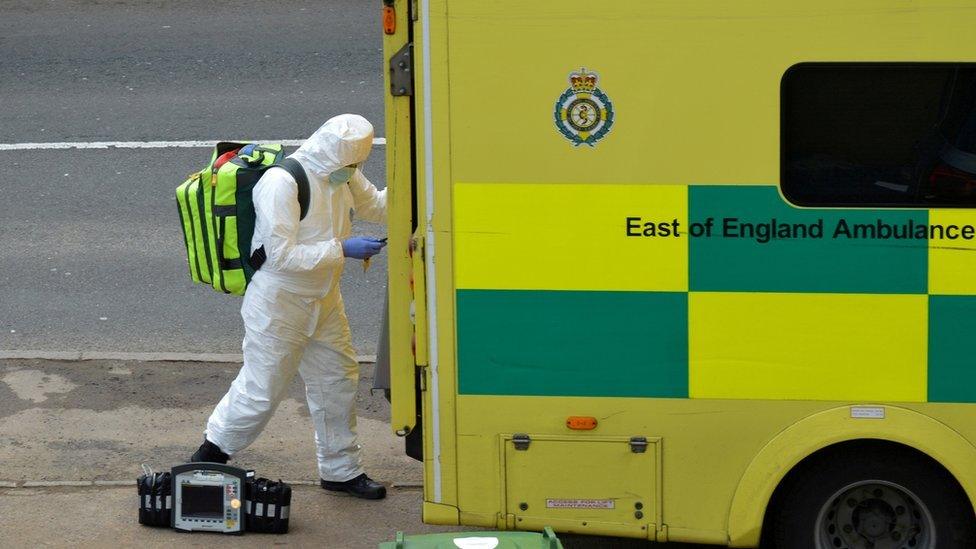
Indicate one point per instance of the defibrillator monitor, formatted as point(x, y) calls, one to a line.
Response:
point(208, 497)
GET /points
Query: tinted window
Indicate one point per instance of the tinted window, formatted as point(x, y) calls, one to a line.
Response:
point(879, 134)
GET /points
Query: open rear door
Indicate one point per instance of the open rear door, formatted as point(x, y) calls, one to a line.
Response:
point(401, 217)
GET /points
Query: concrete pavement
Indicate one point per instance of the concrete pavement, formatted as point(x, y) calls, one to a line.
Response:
point(73, 435)
point(99, 420)
point(106, 517)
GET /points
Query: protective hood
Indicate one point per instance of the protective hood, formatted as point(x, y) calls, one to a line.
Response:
point(343, 140)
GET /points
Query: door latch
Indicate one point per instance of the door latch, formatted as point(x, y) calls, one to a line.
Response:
point(638, 445)
point(521, 441)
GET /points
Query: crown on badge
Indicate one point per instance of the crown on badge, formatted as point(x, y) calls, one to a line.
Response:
point(583, 81)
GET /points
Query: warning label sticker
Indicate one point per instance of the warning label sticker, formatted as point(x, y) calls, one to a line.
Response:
point(579, 503)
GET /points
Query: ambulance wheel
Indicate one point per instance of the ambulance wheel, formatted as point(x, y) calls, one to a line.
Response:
point(871, 494)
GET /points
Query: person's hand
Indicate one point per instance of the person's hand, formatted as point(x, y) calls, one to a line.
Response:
point(361, 247)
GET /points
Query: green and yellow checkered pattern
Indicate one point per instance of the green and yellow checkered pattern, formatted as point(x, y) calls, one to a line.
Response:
point(554, 299)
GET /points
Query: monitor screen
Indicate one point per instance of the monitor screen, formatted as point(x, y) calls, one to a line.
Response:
point(202, 501)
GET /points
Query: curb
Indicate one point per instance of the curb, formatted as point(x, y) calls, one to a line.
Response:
point(79, 356)
point(55, 483)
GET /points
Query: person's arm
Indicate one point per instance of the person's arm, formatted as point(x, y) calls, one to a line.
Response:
point(276, 201)
point(369, 203)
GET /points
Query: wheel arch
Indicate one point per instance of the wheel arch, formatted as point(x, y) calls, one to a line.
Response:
point(802, 439)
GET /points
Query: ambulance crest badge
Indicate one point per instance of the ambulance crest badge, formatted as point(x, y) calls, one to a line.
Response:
point(583, 112)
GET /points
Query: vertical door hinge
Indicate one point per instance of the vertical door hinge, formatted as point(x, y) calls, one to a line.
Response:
point(401, 71)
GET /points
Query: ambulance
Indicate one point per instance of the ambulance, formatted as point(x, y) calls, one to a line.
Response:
point(687, 271)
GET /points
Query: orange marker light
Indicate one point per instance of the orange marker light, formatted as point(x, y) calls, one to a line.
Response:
point(389, 20)
point(581, 423)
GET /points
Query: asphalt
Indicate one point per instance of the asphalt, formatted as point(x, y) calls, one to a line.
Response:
point(145, 70)
point(94, 258)
point(90, 242)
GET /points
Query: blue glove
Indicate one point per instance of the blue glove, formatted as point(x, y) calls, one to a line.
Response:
point(360, 247)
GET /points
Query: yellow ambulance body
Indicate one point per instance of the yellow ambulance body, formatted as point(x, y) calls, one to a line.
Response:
point(633, 289)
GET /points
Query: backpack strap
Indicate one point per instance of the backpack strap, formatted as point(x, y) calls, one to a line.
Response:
point(297, 172)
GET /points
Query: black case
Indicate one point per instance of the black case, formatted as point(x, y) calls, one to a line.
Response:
point(260, 495)
point(155, 499)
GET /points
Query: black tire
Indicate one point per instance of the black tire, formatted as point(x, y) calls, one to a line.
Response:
point(867, 488)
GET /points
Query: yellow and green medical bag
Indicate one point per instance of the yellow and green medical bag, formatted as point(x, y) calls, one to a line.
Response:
point(217, 212)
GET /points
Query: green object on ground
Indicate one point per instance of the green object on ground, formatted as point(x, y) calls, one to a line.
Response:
point(477, 540)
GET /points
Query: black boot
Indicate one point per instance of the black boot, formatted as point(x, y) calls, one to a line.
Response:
point(361, 487)
point(208, 452)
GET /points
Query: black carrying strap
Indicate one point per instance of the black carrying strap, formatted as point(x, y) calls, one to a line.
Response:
point(297, 172)
point(276, 488)
point(153, 511)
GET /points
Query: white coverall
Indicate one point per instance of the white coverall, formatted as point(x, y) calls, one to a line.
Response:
point(293, 314)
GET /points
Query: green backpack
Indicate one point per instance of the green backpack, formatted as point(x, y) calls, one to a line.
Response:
point(217, 213)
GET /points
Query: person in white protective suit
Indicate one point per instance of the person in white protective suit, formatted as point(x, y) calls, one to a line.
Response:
point(293, 313)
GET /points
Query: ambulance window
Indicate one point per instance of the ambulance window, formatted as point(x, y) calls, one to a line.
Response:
point(879, 134)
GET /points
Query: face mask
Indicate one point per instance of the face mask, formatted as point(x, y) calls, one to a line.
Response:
point(342, 175)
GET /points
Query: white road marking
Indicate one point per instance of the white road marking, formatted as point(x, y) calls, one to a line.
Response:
point(377, 142)
point(136, 357)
